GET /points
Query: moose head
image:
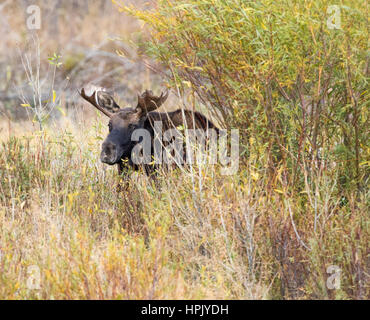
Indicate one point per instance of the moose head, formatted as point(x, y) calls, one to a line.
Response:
point(123, 122)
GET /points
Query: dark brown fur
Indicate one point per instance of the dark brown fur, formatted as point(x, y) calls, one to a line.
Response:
point(117, 146)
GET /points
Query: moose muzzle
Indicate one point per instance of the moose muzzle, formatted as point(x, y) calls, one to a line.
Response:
point(109, 153)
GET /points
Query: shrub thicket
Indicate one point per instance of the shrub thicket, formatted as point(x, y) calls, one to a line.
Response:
point(296, 210)
point(291, 78)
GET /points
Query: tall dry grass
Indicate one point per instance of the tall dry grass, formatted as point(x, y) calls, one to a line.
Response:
point(194, 234)
point(191, 235)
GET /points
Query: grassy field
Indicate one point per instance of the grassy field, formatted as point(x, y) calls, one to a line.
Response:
point(197, 235)
point(275, 230)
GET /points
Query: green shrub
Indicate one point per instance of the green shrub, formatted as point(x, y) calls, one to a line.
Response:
point(297, 89)
point(275, 70)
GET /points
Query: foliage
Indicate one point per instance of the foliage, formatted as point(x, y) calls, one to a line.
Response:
point(297, 92)
point(192, 235)
point(297, 89)
point(275, 70)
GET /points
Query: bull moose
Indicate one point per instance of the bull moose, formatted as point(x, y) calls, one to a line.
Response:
point(118, 146)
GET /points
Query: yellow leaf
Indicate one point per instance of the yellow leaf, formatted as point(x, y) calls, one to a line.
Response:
point(54, 96)
point(26, 105)
point(61, 111)
point(188, 83)
point(255, 176)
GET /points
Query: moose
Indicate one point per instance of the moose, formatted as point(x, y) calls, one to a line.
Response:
point(118, 146)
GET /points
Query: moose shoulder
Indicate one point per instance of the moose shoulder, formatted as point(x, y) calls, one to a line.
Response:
point(119, 144)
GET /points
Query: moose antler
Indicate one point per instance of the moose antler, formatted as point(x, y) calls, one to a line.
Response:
point(102, 101)
point(149, 102)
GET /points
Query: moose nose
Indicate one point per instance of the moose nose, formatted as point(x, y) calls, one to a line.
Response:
point(108, 154)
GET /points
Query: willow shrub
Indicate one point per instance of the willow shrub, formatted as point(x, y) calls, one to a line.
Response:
point(290, 77)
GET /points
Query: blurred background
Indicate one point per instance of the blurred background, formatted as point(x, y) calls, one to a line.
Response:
point(78, 43)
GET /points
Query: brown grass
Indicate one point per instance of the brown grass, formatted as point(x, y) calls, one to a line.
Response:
point(194, 235)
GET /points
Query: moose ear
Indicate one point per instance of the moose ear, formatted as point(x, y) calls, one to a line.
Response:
point(106, 101)
point(148, 102)
point(102, 101)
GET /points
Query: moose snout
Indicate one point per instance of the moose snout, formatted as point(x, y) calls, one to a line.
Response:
point(109, 153)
